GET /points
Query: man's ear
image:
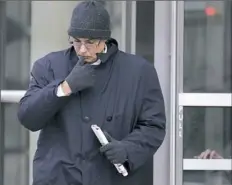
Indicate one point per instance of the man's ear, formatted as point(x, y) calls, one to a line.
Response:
point(102, 51)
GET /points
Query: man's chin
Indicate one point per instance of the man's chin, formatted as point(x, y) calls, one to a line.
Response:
point(90, 60)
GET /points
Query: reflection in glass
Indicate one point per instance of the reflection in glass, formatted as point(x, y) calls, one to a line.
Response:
point(16, 169)
point(207, 46)
point(145, 21)
point(207, 128)
point(16, 147)
point(115, 10)
point(207, 178)
point(16, 62)
point(16, 137)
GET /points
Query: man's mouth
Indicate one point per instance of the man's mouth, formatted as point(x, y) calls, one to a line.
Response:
point(85, 57)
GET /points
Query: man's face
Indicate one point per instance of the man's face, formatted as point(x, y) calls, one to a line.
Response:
point(88, 48)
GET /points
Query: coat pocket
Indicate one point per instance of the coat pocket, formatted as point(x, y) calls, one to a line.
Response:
point(114, 125)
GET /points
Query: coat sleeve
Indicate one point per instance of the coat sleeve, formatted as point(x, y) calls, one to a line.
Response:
point(40, 103)
point(149, 130)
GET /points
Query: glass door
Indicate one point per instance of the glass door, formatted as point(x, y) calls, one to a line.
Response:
point(15, 68)
point(204, 104)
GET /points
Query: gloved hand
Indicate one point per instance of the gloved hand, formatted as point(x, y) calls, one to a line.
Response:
point(115, 150)
point(81, 76)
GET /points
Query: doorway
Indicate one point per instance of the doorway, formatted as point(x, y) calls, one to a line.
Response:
point(203, 93)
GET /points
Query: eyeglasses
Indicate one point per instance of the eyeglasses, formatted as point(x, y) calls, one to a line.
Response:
point(89, 44)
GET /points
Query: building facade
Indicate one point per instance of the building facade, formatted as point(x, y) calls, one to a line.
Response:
point(188, 42)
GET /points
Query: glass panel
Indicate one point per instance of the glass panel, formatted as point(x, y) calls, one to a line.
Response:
point(115, 10)
point(16, 147)
point(207, 46)
point(207, 178)
point(2, 27)
point(207, 132)
point(145, 29)
point(16, 63)
point(16, 137)
point(16, 169)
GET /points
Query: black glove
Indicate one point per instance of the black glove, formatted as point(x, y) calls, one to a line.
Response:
point(115, 150)
point(81, 76)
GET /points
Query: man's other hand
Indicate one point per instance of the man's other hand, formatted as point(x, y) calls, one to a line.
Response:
point(115, 150)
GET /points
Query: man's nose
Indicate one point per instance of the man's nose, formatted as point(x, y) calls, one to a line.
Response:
point(82, 48)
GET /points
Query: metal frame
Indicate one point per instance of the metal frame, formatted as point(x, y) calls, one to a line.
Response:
point(123, 30)
point(206, 164)
point(133, 26)
point(162, 64)
point(179, 71)
point(11, 96)
point(206, 99)
point(228, 37)
point(173, 80)
point(128, 31)
point(2, 40)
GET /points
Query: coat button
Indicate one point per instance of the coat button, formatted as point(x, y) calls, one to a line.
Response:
point(109, 118)
point(86, 119)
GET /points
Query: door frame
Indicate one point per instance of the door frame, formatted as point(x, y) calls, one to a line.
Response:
point(162, 63)
point(2, 41)
point(7, 96)
point(179, 100)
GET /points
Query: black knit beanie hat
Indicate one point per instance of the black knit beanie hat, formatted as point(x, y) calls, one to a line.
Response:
point(90, 20)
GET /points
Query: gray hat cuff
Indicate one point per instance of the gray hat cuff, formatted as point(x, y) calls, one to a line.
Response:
point(89, 33)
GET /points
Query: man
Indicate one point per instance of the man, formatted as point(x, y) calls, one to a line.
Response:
point(93, 82)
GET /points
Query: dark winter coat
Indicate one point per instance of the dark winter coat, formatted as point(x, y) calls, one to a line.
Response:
point(126, 101)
